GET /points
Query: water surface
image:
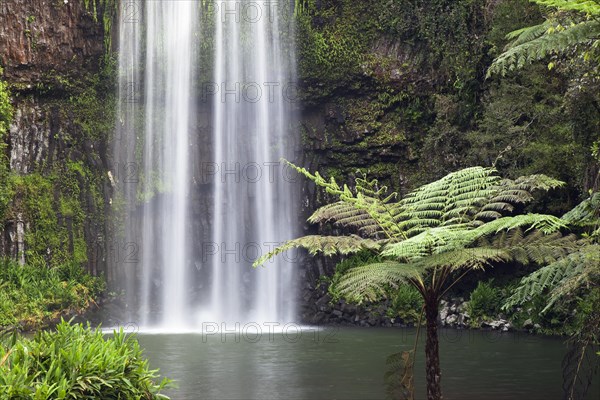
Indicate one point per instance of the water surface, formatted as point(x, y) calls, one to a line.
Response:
point(350, 363)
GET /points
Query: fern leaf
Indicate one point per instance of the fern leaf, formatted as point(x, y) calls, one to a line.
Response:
point(370, 282)
point(327, 245)
point(536, 49)
point(589, 7)
point(560, 277)
point(469, 258)
point(586, 213)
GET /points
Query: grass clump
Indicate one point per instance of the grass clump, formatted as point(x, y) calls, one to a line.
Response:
point(76, 362)
point(32, 296)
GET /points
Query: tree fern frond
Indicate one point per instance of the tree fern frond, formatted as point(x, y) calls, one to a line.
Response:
point(542, 249)
point(327, 245)
point(445, 238)
point(370, 282)
point(527, 34)
point(560, 277)
point(545, 223)
point(431, 241)
point(456, 195)
point(586, 213)
point(531, 183)
point(558, 41)
point(495, 208)
point(368, 197)
point(469, 258)
point(348, 216)
point(590, 7)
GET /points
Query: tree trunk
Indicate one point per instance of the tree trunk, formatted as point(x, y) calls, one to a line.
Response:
point(432, 350)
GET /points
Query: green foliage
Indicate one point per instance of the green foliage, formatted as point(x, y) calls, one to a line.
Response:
point(31, 296)
point(555, 35)
point(6, 114)
point(6, 109)
point(328, 245)
point(74, 362)
point(568, 276)
point(538, 134)
point(444, 32)
point(406, 304)
point(484, 302)
point(361, 258)
point(435, 230)
point(58, 201)
point(586, 216)
point(560, 279)
point(53, 207)
point(331, 54)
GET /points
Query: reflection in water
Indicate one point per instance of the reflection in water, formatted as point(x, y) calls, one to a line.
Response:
point(349, 363)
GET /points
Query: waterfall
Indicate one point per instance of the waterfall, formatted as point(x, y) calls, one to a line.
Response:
point(174, 278)
point(252, 102)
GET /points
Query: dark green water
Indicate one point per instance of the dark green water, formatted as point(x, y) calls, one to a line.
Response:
point(348, 363)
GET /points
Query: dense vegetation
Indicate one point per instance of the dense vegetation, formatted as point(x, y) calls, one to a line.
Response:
point(31, 297)
point(413, 101)
point(75, 362)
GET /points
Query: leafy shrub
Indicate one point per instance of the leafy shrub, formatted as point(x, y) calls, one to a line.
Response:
point(485, 301)
point(33, 295)
point(406, 304)
point(76, 363)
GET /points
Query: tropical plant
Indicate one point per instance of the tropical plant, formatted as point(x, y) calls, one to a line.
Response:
point(574, 279)
point(32, 296)
point(484, 301)
point(465, 221)
point(75, 362)
point(574, 22)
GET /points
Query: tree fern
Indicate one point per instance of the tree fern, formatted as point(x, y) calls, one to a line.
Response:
point(440, 228)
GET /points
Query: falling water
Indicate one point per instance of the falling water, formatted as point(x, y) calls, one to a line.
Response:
point(175, 279)
point(155, 107)
point(252, 114)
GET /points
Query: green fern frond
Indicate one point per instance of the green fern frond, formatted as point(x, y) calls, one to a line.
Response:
point(347, 216)
point(446, 238)
point(371, 282)
point(586, 213)
point(590, 7)
point(368, 197)
point(327, 245)
point(469, 258)
point(531, 183)
point(558, 41)
point(431, 241)
point(560, 278)
point(527, 34)
point(545, 223)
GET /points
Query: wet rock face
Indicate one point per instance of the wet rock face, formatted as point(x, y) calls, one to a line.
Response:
point(38, 36)
point(30, 134)
point(49, 52)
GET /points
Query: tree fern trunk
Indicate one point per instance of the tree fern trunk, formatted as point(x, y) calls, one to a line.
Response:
point(432, 351)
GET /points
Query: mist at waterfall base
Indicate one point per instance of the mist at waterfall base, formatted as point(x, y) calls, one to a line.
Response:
point(205, 114)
